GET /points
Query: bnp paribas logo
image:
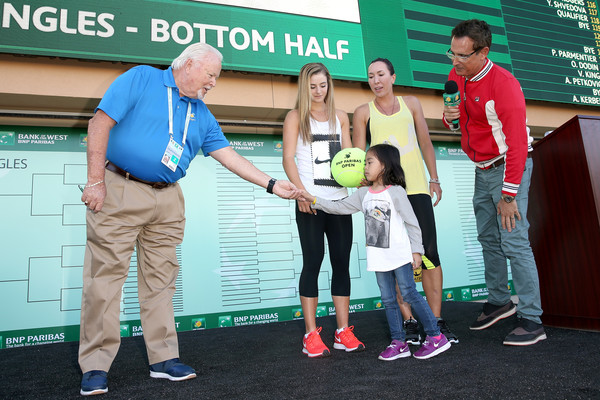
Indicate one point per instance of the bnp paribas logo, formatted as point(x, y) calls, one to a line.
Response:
point(225, 320)
point(125, 330)
point(321, 311)
point(465, 294)
point(7, 138)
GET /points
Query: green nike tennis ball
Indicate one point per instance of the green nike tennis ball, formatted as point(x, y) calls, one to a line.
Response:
point(348, 167)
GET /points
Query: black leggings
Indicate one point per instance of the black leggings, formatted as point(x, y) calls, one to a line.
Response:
point(311, 229)
point(421, 204)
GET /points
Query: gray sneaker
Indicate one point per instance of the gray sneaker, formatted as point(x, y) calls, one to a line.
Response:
point(492, 314)
point(526, 333)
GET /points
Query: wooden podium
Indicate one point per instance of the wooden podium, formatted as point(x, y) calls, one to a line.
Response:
point(564, 213)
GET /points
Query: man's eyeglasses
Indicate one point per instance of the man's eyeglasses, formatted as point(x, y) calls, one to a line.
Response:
point(461, 57)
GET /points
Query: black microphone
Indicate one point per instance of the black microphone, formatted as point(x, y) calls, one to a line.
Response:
point(451, 97)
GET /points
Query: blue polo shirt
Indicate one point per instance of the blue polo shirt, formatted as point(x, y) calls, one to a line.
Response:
point(138, 100)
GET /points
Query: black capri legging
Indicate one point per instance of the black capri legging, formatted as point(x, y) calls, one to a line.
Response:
point(312, 229)
point(421, 204)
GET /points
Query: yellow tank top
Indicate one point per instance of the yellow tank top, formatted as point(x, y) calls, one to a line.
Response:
point(399, 130)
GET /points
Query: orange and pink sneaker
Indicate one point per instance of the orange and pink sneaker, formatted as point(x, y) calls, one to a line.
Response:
point(345, 340)
point(313, 346)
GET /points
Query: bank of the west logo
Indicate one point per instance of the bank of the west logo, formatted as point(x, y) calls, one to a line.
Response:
point(321, 311)
point(278, 146)
point(198, 323)
point(377, 304)
point(83, 140)
point(125, 330)
point(224, 320)
point(465, 294)
point(7, 138)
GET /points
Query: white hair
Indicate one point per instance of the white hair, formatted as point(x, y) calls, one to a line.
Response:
point(195, 51)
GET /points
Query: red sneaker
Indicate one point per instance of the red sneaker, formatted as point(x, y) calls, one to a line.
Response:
point(313, 346)
point(345, 340)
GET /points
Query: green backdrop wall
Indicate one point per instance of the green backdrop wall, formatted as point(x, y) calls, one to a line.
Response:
point(240, 258)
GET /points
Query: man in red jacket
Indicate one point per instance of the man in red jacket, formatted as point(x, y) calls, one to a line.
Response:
point(494, 134)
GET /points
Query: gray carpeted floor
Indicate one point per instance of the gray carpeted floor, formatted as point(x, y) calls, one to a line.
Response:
point(266, 362)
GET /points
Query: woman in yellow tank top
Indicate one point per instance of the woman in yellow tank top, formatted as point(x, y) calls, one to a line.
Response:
point(399, 121)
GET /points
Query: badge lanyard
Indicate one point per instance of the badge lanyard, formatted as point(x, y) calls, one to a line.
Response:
point(173, 152)
point(187, 116)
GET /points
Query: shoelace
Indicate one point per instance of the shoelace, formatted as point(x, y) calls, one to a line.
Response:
point(312, 337)
point(347, 333)
point(411, 326)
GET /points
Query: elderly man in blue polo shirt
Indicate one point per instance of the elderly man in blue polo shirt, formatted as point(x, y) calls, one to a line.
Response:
point(147, 129)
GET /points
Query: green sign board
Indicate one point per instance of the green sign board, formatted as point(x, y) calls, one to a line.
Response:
point(551, 46)
point(155, 32)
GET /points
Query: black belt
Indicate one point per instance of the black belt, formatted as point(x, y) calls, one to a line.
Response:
point(156, 185)
point(499, 162)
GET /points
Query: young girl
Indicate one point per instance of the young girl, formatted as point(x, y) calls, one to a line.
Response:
point(313, 132)
point(393, 239)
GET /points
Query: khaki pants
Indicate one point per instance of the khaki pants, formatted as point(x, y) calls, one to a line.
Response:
point(152, 220)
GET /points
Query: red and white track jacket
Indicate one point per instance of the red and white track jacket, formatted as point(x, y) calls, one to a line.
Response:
point(493, 122)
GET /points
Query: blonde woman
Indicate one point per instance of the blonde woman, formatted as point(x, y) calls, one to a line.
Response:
point(313, 132)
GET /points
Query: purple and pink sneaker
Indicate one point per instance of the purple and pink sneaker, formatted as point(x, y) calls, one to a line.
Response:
point(432, 347)
point(396, 349)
